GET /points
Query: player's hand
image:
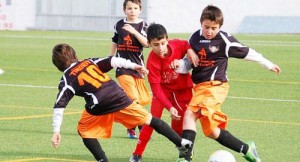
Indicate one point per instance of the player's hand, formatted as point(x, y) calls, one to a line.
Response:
point(276, 69)
point(141, 69)
point(129, 28)
point(174, 64)
point(56, 138)
point(193, 57)
point(174, 114)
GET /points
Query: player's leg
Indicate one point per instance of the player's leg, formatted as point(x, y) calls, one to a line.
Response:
point(144, 97)
point(214, 121)
point(189, 118)
point(136, 115)
point(95, 148)
point(128, 84)
point(180, 99)
point(90, 128)
point(164, 129)
point(189, 133)
point(146, 132)
point(226, 139)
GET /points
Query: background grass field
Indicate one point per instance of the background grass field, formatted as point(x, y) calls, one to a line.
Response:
point(261, 105)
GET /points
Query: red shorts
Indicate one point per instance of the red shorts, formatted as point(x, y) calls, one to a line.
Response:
point(179, 99)
point(100, 126)
point(208, 98)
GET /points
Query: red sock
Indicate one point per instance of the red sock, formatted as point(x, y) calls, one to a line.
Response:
point(143, 140)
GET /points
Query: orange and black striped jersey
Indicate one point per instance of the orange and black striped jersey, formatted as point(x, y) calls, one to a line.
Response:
point(88, 79)
point(128, 46)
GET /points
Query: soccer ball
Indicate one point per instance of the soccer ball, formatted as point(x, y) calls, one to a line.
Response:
point(221, 156)
point(1, 71)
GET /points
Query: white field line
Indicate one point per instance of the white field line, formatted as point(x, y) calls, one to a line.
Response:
point(53, 37)
point(234, 97)
point(263, 99)
point(272, 43)
point(252, 42)
point(26, 86)
point(42, 159)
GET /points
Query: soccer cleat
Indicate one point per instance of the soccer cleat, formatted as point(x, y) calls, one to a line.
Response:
point(251, 154)
point(185, 145)
point(181, 160)
point(135, 158)
point(131, 134)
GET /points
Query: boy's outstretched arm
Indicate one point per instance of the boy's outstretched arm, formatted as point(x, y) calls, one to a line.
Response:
point(141, 69)
point(276, 69)
point(193, 57)
point(257, 57)
point(113, 49)
point(123, 63)
point(57, 121)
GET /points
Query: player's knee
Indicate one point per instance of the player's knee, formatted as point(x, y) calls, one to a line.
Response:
point(148, 119)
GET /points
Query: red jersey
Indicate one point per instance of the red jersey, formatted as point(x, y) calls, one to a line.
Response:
point(160, 72)
point(164, 80)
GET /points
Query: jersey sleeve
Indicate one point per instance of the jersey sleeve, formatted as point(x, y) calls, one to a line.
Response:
point(185, 46)
point(233, 47)
point(108, 63)
point(184, 66)
point(158, 93)
point(154, 68)
point(257, 57)
point(65, 94)
point(144, 29)
point(104, 64)
point(181, 46)
point(115, 36)
point(57, 119)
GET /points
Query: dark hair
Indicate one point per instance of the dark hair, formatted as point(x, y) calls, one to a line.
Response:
point(63, 55)
point(138, 2)
point(212, 13)
point(156, 31)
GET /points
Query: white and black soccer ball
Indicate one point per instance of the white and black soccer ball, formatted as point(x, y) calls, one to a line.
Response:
point(221, 156)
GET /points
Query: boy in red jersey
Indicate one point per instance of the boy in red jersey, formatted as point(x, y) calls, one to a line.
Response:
point(214, 47)
point(106, 101)
point(171, 90)
point(128, 42)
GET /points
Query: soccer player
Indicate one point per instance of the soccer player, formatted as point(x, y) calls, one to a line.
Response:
point(128, 42)
point(171, 90)
point(214, 47)
point(106, 101)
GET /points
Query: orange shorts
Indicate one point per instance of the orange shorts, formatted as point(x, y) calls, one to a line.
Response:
point(100, 126)
point(135, 88)
point(207, 99)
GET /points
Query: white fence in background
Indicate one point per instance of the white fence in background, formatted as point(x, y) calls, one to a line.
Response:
point(178, 16)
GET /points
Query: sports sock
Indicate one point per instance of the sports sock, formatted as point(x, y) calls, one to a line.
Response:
point(163, 128)
point(228, 140)
point(189, 135)
point(95, 148)
point(140, 127)
point(143, 140)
